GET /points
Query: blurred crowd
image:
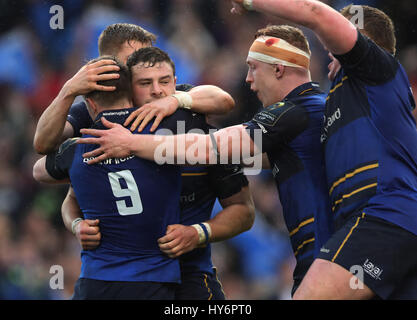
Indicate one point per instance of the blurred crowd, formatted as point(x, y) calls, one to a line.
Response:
point(209, 46)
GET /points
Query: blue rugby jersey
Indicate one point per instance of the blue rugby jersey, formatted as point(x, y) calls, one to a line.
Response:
point(370, 138)
point(79, 117)
point(291, 138)
point(200, 187)
point(135, 200)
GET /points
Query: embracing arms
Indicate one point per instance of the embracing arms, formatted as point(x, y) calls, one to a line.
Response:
point(237, 216)
point(53, 127)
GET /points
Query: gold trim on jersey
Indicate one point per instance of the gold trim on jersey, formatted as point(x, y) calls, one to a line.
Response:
point(337, 86)
point(193, 174)
point(353, 173)
point(348, 236)
point(302, 245)
point(345, 196)
point(302, 224)
point(307, 90)
point(208, 289)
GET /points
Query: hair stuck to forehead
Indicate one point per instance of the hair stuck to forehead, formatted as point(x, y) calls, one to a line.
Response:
point(292, 35)
point(377, 25)
point(114, 36)
point(149, 57)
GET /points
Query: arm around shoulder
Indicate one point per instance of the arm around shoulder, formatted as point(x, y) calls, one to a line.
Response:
point(41, 174)
point(53, 127)
point(209, 99)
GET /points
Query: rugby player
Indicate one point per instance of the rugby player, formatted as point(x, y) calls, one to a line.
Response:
point(153, 77)
point(122, 193)
point(370, 146)
point(62, 120)
point(290, 128)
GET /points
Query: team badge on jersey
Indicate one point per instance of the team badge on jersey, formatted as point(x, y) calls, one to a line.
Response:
point(271, 114)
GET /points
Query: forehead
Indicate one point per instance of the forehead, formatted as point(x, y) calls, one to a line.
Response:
point(259, 64)
point(144, 71)
point(250, 60)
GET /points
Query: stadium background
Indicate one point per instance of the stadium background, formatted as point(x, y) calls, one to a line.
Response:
point(209, 46)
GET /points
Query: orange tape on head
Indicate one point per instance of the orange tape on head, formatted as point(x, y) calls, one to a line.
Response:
point(278, 51)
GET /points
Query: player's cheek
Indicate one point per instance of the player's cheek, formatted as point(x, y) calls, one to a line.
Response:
point(140, 95)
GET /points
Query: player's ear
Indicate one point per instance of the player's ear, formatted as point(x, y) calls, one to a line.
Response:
point(279, 71)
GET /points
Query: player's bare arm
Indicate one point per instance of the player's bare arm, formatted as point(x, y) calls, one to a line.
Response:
point(237, 216)
point(335, 32)
point(205, 99)
point(52, 127)
point(86, 231)
point(40, 173)
point(191, 149)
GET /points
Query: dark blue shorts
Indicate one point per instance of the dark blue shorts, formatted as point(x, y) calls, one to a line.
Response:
point(90, 289)
point(381, 254)
point(200, 286)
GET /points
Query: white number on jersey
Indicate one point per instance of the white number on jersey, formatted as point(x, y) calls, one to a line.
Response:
point(131, 191)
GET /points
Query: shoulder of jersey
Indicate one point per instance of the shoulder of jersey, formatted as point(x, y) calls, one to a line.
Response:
point(67, 144)
point(282, 105)
point(270, 115)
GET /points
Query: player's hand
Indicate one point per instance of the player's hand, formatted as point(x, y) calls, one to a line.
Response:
point(88, 234)
point(114, 143)
point(85, 80)
point(237, 7)
point(178, 240)
point(159, 109)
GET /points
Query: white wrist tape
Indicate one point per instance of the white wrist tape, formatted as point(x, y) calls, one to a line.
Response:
point(204, 233)
point(201, 234)
point(74, 224)
point(208, 230)
point(248, 5)
point(185, 100)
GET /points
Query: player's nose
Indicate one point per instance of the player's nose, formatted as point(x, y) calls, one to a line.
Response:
point(156, 89)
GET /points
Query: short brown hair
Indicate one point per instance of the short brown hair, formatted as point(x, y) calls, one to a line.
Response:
point(292, 35)
point(122, 84)
point(114, 36)
point(151, 56)
point(377, 25)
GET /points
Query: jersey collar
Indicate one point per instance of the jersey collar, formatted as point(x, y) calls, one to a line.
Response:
point(114, 115)
point(305, 89)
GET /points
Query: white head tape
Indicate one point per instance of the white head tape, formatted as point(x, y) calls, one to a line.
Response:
point(278, 51)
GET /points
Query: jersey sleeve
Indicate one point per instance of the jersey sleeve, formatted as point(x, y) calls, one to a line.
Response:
point(182, 121)
point(184, 87)
point(59, 162)
point(278, 124)
point(79, 118)
point(368, 62)
point(227, 180)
